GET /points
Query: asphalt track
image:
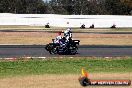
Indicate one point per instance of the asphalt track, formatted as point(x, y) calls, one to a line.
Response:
point(12, 51)
point(73, 31)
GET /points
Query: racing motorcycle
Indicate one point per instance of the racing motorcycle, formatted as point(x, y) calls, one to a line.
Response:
point(70, 48)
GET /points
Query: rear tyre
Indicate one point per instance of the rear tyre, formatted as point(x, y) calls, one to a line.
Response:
point(73, 50)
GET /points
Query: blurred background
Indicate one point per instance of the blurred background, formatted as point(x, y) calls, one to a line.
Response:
point(67, 7)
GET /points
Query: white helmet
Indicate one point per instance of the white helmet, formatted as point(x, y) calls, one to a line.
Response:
point(68, 29)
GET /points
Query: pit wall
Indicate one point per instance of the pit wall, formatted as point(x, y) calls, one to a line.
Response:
point(99, 21)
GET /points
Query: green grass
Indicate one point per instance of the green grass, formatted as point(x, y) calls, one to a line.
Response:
point(64, 66)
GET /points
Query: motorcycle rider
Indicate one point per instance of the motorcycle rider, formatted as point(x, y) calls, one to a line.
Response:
point(61, 45)
point(59, 40)
point(68, 34)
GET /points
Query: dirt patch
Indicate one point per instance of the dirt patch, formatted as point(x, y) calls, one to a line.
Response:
point(45, 37)
point(26, 37)
point(58, 81)
point(104, 39)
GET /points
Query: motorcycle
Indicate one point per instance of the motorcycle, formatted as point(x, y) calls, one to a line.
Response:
point(69, 48)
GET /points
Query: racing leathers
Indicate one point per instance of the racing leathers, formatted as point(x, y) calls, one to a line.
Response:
point(68, 34)
point(57, 39)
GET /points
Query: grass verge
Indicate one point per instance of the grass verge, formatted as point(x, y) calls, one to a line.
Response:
point(64, 66)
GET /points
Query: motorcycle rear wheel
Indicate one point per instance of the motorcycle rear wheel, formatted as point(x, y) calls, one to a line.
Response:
point(73, 51)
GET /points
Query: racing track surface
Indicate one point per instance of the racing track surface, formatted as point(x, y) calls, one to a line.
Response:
point(57, 31)
point(86, 51)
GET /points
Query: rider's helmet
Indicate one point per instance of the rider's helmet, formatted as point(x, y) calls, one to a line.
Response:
point(68, 29)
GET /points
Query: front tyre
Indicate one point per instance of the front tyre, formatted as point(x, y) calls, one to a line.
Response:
point(53, 51)
point(47, 47)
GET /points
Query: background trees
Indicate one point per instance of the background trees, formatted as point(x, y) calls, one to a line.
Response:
point(85, 7)
point(22, 6)
point(116, 7)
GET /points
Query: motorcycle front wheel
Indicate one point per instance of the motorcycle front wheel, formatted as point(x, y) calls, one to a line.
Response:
point(53, 51)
